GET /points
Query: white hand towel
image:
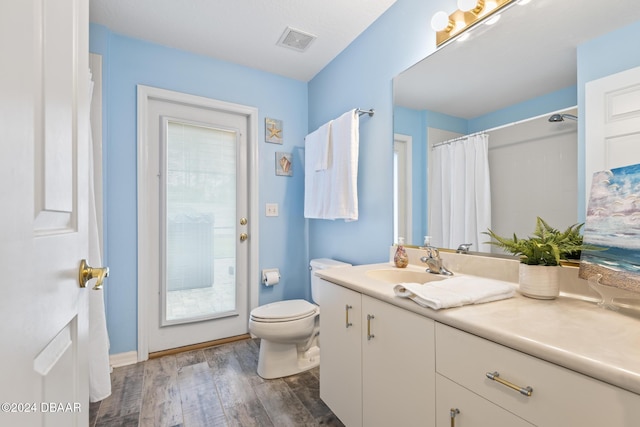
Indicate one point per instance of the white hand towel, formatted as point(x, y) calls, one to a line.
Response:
point(318, 144)
point(345, 139)
point(316, 177)
point(455, 292)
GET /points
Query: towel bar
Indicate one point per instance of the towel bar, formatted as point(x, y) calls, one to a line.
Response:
point(370, 112)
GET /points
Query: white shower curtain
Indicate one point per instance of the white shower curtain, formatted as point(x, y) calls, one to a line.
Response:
point(459, 198)
point(99, 369)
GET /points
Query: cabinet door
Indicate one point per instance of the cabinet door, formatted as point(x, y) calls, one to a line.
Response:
point(340, 352)
point(474, 411)
point(398, 366)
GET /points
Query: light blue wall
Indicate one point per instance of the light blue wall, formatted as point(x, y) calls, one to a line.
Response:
point(555, 101)
point(129, 62)
point(361, 77)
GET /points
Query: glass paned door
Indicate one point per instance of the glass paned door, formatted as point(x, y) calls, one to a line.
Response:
point(199, 226)
point(194, 227)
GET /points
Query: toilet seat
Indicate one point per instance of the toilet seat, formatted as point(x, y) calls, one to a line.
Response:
point(284, 311)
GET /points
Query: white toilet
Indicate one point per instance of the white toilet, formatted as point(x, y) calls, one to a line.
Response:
point(288, 330)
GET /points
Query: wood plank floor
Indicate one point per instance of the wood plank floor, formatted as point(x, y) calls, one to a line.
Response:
point(215, 386)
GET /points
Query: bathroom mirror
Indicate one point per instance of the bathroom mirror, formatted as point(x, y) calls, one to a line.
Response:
point(522, 67)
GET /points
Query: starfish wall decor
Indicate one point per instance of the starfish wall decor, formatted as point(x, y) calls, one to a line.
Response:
point(273, 131)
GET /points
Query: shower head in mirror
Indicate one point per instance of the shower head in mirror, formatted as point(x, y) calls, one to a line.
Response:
point(561, 117)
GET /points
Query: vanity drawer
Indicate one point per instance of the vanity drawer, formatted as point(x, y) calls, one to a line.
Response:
point(468, 409)
point(560, 397)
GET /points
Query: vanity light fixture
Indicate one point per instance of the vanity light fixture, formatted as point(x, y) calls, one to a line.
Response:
point(469, 13)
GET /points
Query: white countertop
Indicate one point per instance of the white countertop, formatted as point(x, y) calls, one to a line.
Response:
point(567, 331)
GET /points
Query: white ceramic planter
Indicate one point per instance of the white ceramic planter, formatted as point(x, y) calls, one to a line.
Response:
point(539, 281)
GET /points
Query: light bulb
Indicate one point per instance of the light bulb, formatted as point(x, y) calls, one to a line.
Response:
point(440, 21)
point(473, 6)
point(466, 5)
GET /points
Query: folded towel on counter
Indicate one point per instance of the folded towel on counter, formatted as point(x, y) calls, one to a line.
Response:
point(456, 291)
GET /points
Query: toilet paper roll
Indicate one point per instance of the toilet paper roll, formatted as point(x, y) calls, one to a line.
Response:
point(271, 278)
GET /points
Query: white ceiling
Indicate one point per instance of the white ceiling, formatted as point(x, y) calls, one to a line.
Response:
point(244, 32)
point(530, 52)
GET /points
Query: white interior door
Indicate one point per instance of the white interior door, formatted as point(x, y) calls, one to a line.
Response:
point(402, 190)
point(612, 117)
point(44, 129)
point(197, 223)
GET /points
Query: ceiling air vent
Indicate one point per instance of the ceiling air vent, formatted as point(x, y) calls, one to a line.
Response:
point(296, 39)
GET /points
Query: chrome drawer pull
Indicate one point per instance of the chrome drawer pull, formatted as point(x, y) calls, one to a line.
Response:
point(495, 376)
point(369, 334)
point(346, 309)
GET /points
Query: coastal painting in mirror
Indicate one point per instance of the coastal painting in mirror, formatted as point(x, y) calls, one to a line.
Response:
point(613, 223)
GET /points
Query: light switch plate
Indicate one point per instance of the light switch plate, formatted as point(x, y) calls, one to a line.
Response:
point(272, 209)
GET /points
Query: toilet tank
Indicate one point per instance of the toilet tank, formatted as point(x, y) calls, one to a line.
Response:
point(321, 264)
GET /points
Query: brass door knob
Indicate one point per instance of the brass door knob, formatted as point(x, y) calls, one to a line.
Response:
point(87, 273)
point(243, 221)
point(243, 237)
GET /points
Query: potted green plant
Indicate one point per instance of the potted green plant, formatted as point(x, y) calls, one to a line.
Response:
point(546, 247)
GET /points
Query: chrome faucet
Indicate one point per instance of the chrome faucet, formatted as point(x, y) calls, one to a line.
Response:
point(434, 262)
point(463, 248)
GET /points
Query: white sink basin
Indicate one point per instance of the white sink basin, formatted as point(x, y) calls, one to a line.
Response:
point(403, 276)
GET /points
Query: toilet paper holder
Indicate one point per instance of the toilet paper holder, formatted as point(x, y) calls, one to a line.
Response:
point(270, 276)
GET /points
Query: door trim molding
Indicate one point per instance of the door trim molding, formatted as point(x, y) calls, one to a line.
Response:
point(145, 94)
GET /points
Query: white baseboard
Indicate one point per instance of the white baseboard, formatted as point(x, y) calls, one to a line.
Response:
point(123, 359)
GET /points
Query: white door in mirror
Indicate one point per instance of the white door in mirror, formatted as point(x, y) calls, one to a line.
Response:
point(612, 125)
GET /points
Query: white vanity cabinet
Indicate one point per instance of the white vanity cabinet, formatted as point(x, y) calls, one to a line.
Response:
point(377, 361)
point(559, 397)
